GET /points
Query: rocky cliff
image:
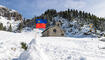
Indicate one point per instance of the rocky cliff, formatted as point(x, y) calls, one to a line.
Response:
point(10, 14)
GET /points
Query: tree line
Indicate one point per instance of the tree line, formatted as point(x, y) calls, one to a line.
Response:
point(69, 14)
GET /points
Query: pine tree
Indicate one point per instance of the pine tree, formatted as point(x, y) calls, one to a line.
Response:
point(20, 27)
point(76, 13)
point(80, 14)
point(4, 28)
point(1, 26)
point(69, 14)
point(10, 28)
point(83, 14)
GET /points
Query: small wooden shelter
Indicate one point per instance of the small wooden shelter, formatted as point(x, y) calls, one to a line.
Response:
point(53, 31)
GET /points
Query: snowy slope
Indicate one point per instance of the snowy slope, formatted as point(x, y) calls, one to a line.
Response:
point(49, 48)
point(10, 43)
point(64, 48)
point(6, 23)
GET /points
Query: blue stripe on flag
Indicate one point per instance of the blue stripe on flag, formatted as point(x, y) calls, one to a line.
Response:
point(41, 21)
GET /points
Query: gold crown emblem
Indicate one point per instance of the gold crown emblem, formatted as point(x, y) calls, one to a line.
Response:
point(38, 21)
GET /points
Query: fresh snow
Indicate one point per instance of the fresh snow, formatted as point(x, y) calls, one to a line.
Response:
point(12, 11)
point(10, 44)
point(49, 48)
point(62, 48)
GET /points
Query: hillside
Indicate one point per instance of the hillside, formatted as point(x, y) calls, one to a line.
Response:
point(9, 19)
point(75, 23)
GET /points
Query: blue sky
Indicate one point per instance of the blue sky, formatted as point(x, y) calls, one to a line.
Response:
point(30, 8)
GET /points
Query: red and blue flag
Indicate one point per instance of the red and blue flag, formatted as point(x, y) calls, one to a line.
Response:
point(41, 23)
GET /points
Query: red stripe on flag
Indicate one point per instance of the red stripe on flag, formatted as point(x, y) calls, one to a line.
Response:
point(41, 25)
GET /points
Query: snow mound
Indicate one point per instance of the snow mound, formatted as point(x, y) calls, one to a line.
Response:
point(35, 51)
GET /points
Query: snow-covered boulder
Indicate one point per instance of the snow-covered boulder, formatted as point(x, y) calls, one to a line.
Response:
point(34, 52)
point(31, 51)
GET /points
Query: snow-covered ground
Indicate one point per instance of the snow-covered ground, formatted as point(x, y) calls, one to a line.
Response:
point(10, 44)
point(49, 48)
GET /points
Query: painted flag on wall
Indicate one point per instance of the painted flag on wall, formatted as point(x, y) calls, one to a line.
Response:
point(41, 23)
